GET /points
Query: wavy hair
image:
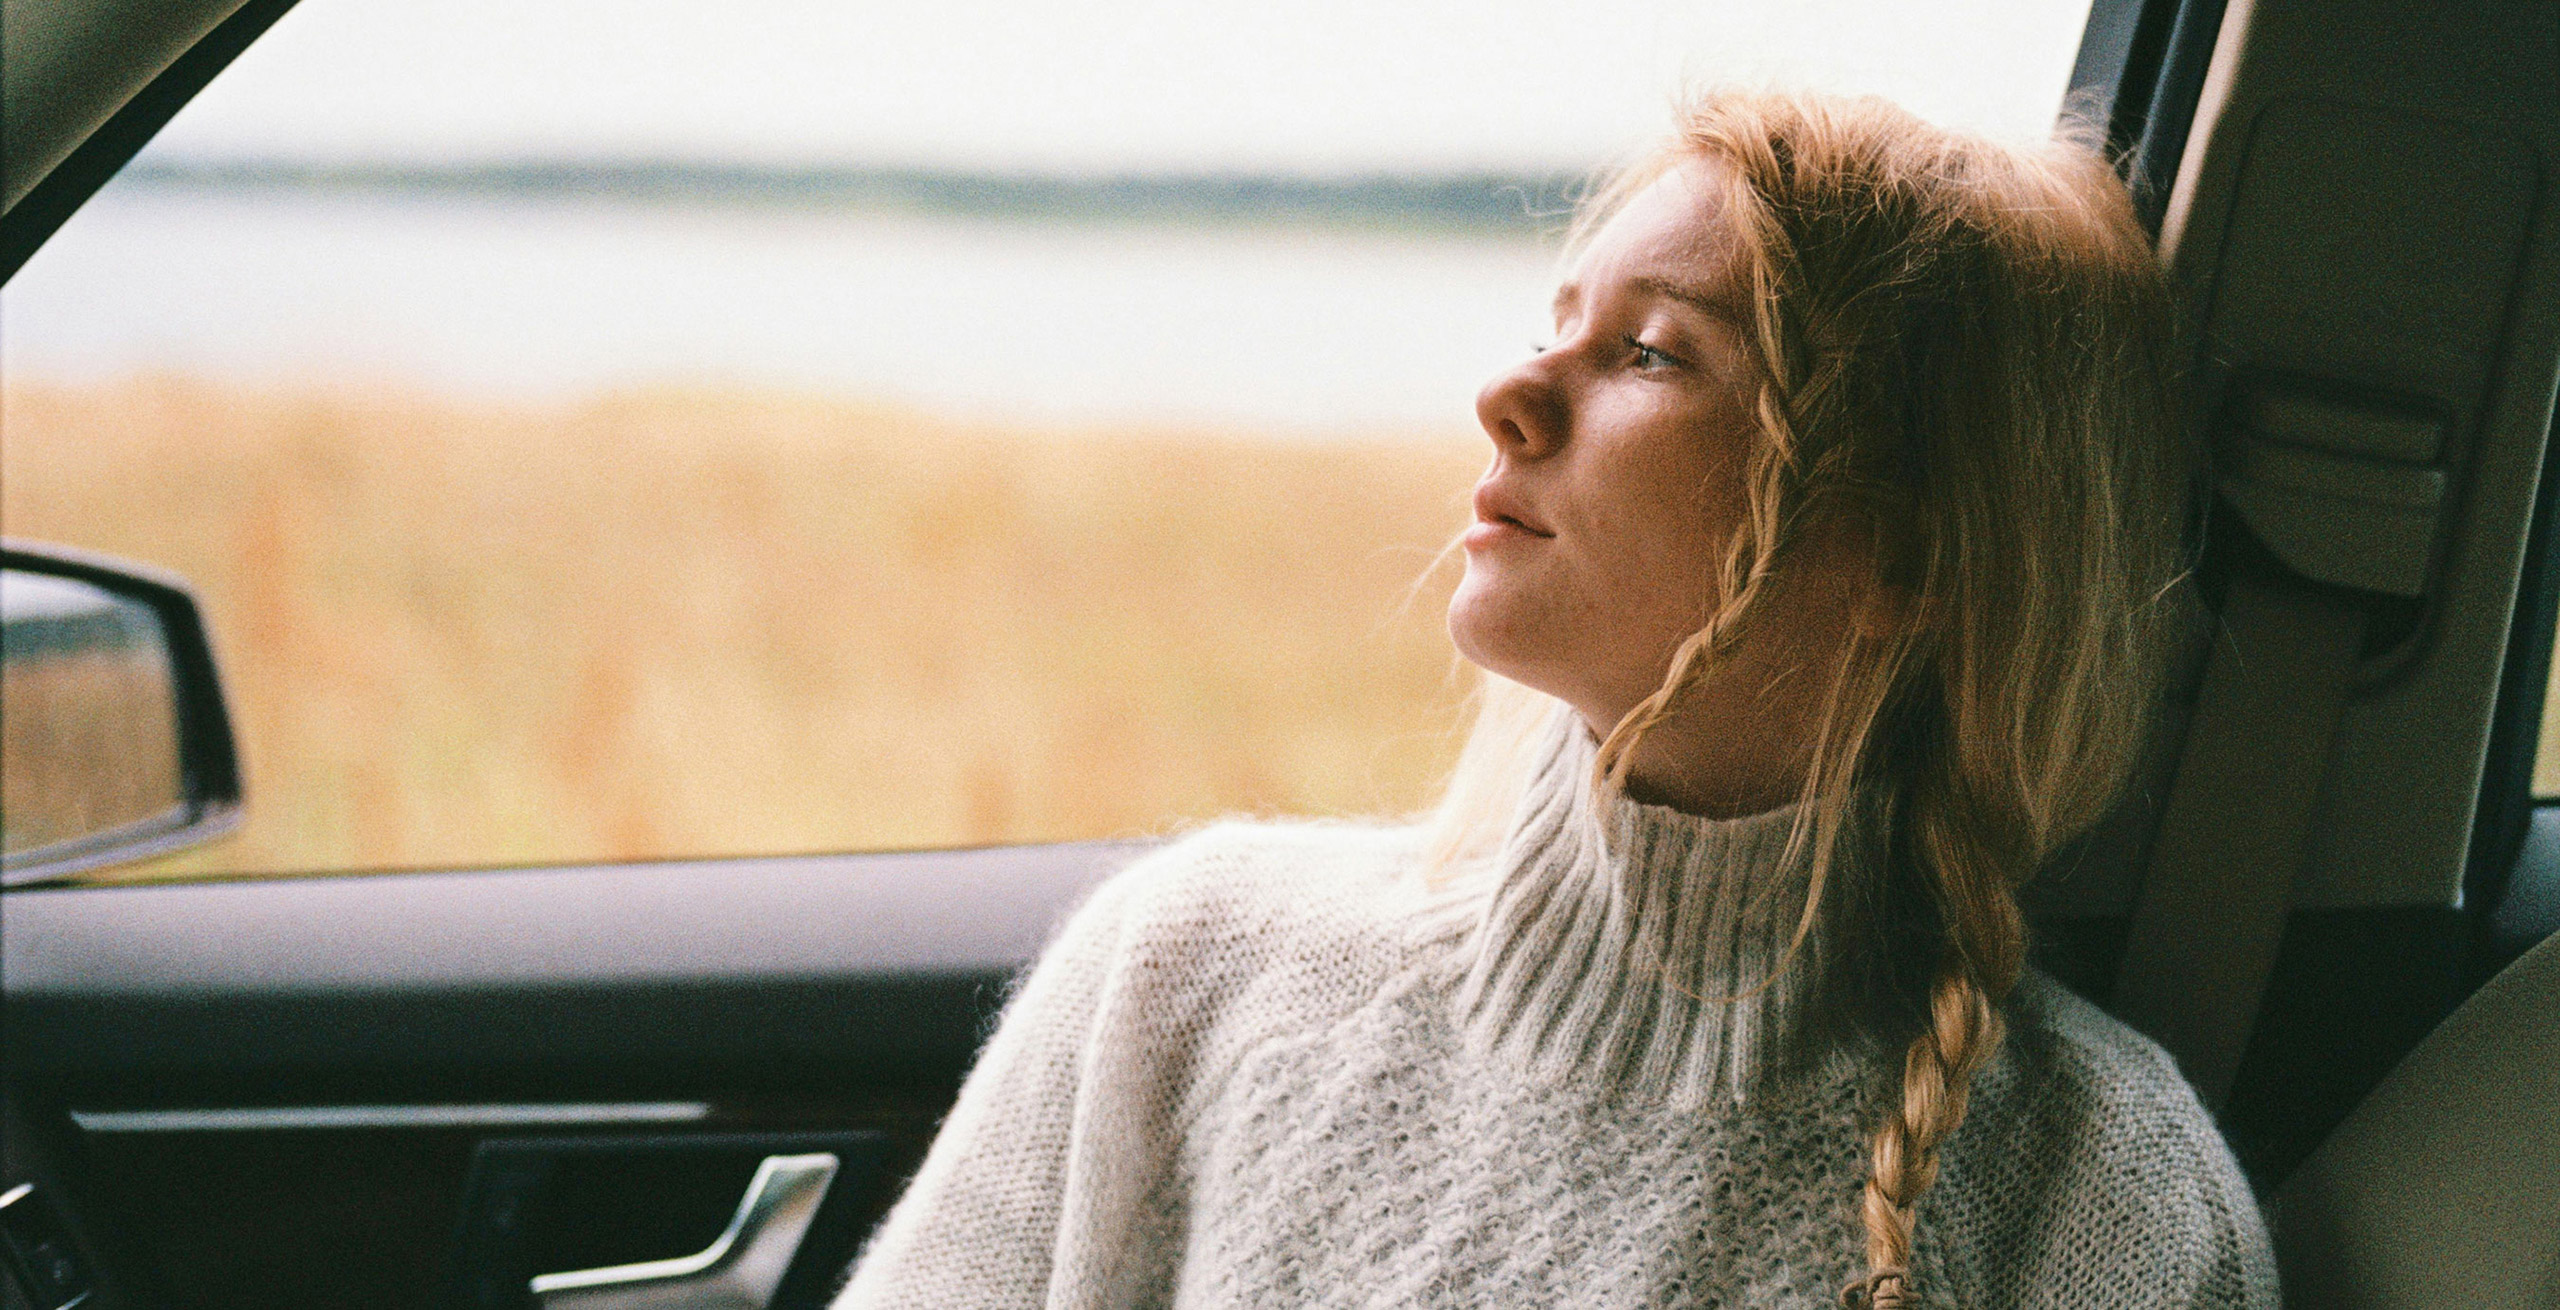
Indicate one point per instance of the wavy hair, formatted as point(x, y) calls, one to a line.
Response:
point(1967, 349)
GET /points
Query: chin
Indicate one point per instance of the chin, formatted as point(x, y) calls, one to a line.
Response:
point(1490, 633)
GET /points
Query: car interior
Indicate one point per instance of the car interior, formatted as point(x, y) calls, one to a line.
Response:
point(2331, 897)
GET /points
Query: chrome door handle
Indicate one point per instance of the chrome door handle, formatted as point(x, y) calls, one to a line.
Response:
point(741, 1268)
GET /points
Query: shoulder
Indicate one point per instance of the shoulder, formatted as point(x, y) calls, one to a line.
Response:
point(1266, 876)
point(1244, 891)
point(2099, 1059)
point(2091, 1164)
point(1235, 937)
point(1289, 914)
point(1135, 1011)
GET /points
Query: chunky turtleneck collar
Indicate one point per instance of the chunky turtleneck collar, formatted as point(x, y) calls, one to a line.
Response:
point(1632, 946)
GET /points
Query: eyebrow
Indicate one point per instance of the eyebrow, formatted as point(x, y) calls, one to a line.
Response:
point(1720, 307)
point(1708, 303)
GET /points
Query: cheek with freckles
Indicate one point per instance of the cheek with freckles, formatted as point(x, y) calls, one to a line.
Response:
point(1593, 616)
point(1652, 545)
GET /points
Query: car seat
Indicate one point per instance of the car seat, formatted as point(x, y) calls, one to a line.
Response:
point(2443, 1187)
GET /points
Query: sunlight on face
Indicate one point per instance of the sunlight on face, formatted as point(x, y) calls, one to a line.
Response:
point(1617, 461)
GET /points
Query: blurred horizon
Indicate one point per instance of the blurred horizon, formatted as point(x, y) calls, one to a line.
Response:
point(1520, 203)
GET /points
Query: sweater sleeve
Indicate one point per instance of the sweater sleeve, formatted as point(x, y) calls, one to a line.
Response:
point(1036, 1169)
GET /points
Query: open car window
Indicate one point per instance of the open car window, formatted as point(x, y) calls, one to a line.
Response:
point(612, 431)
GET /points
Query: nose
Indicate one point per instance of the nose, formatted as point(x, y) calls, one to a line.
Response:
point(1523, 408)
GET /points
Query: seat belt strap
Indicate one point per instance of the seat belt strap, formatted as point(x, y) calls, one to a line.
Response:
point(2238, 825)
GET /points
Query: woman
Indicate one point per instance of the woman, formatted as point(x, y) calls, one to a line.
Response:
point(1821, 566)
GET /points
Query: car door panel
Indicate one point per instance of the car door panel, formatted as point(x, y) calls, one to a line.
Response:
point(278, 1088)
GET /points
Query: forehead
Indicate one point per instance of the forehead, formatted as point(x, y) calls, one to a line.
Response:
point(1679, 228)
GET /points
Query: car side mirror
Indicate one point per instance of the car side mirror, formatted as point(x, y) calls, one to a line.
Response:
point(114, 744)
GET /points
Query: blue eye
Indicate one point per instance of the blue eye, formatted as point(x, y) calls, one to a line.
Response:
point(1648, 357)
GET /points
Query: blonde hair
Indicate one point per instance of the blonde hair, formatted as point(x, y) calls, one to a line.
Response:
point(1965, 351)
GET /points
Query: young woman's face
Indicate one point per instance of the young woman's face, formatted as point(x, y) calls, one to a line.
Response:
point(1618, 457)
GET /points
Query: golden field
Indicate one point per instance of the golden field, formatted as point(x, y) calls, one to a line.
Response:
point(674, 623)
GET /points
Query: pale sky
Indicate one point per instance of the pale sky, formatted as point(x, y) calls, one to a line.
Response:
point(1090, 85)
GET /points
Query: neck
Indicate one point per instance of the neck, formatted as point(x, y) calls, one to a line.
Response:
point(1736, 744)
point(1654, 953)
point(1691, 763)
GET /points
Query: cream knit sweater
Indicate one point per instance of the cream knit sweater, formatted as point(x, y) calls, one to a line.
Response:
point(1267, 1067)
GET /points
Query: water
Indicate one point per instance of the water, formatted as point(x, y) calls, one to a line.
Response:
point(1267, 329)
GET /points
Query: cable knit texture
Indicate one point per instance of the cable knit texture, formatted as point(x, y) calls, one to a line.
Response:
point(1268, 1067)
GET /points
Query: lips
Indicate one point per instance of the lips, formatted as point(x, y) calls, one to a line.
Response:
point(1496, 505)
